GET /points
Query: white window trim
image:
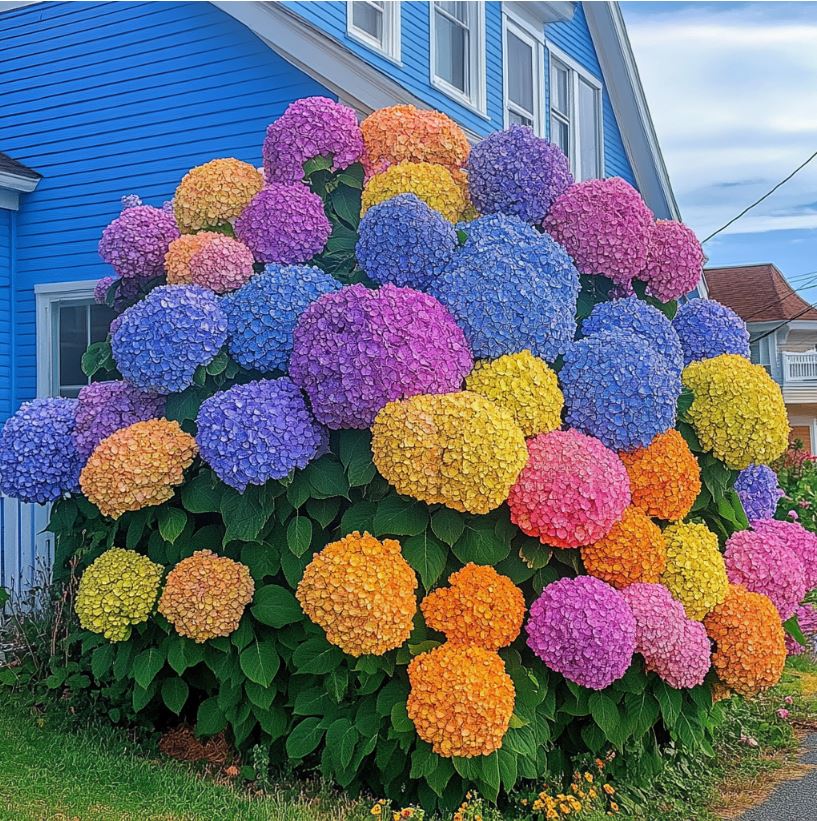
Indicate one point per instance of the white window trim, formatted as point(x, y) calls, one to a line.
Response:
point(390, 47)
point(477, 102)
point(46, 296)
point(577, 72)
point(516, 26)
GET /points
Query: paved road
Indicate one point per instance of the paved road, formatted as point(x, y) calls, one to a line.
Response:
point(792, 800)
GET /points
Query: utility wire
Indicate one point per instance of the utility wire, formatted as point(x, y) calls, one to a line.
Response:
point(783, 324)
point(811, 283)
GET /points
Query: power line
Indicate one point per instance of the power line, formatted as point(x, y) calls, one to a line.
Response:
point(782, 324)
point(781, 300)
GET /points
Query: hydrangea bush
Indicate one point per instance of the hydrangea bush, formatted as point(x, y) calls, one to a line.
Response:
point(409, 494)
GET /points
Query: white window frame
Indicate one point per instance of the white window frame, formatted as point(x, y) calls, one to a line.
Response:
point(477, 100)
point(514, 25)
point(577, 72)
point(390, 46)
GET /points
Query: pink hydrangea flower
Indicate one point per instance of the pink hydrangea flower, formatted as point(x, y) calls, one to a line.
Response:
point(807, 619)
point(675, 260)
point(223, 264)
point(801, 542)
point(690, 663)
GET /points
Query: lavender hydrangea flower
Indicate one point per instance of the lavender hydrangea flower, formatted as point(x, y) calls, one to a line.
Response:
point(311, 127)
point(356, 350)
point(807, 619)
point(516, 172)
point(136, 242)
point(262, 314)
point(584, 629)
point(759, 491)
point(708, 329)
point(159, 342)
point(39, 461)
point(105, 407)
point(101, 289)
point(255, 432)
point(618, 388)
point(405, 242)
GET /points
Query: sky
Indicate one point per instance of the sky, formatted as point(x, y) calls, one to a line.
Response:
point(732, 88)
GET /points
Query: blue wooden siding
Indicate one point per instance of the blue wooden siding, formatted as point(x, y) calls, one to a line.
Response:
point(7, 220)
point(106, 99)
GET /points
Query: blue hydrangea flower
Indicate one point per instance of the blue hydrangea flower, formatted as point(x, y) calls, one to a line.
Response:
point(405, 242)
point(618, 388)
point(707, 329)
point(255, 432)
point(39, 461)
point(633, 315)
point(160, 341)
point(262, 314)
point(758, 491)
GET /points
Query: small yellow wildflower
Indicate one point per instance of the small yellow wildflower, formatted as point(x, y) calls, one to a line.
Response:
point(376, 809)
point(588, 777)
point(614, 806)
point(609, 789)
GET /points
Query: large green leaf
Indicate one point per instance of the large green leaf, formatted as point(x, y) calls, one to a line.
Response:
point(427, 556)
point(299, 535)
point(480, 544)
point(147, 665)
point(400, 516)
point(259, 661)
point(209, 719)
point(171, 522)
point(605, 713)
point(316, 656)
point(276, 606)
point(201, 495)
point(304, 738)
point(243, 515)
point(174, 693)
point(447, 525)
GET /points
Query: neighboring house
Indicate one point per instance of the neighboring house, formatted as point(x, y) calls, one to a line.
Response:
point(101, 99)
point(783, 336)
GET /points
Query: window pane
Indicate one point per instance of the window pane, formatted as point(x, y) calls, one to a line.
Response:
point(560, 88)
point(515, 118)
point(456, 10)
point(453, 57)
point(588, 131)
point(72, 341)
point(368, 17)
point(560, 134)
point(101, 316)
point(520, 72)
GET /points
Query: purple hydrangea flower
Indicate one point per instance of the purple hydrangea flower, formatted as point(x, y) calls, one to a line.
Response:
point(160, 341)
point(516, 172)
point(105, 407)
point(39, 461)
point(284, 223)
point(136, 242)
point(127, 290)
point(708, 329)
point(758, 491)
point(356, 350)
point(807, 619)
point(584, 629)
point(309, 128)
point(262, 314)
point(101, 289)
point(255, 432)
point(404, 242)
point(618, 388)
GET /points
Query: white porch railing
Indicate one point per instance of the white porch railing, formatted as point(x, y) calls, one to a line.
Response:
point(25, 548)
point(799, 367)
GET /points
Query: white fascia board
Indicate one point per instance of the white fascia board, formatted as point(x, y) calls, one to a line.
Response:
point(537, 15)
point(16, 182)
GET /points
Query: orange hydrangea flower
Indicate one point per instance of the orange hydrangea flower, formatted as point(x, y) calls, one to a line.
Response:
point(665, 478)
point(633, 551)
point(181, 251)
point(480, 607)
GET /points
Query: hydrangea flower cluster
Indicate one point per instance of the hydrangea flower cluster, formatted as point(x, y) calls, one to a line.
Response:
point(136, 242)
point(160, 341)
point(356, 350)
point(461, 700)
point(215, 193)
point(665, 478)
point(105, 407)
point(707, 329)
point(205, 595)
point(480, 608)
point(738, 411)
point(605, 227)
point(523, 385)
point(404, 242)
point(619, 389)
point(39, 461)
point(807, 620)
point(675, 260)
point(456, 449)
point(101, 289)
point(209, 259)
point(116, 591)
point(801, 542)
point(361, 591)
point(309, 128)
point(255, 432)
point(759, 491)
point(516, 172)
point(571, 492)
point(137, 466)
point(583, 629)
point(284, 223)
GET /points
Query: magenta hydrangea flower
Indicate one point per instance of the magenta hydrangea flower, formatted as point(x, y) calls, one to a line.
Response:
point(763, 563)
point(223, 264)
point(605, 226)
point(572, 490)
point(355, 350)
point(136, 242)
point(105, 407)
point(802, 542)
point(284, 223)
point(309, 128)
point(584, 629)
point(675, 260)
point(807, 619)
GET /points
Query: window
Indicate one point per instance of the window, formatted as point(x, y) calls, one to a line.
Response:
point(376, 24)
point(523, 77)
point(575, 116)
point(458, 51)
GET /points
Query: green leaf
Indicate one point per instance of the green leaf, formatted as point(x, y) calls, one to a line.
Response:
point(684, 402)
point(399, 718)
point(98, 357)
point(427, 556)
point(259, 661)
point(218, 364)
point(304, 738)
point(669, 700)
point(184, 406)
point(480, 544)
point(322, 163)
point(400, 516)
point(605, 714)
point(171, 522)
point(261, 697)
point(358, 517)
point(507, 769)
point(341, 738)
point(146, 666)
point(316, 656)
point(299, 535)
point(199, 495)
point(533, 553)
point(447, 525)
point(174, 693)
point(792, 627)
point(209, 719)
point(323, 511)
point(101, 660)
point(337, 683)
point(328, 478)
point(243, 515)
point(641, 710)
point(276, 606)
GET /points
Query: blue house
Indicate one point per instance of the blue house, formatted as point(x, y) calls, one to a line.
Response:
point(101, 99)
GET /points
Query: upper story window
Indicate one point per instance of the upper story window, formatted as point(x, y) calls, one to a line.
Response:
point(458, 51)
point(376, 24)
point(523, 76)
point(575, 116)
